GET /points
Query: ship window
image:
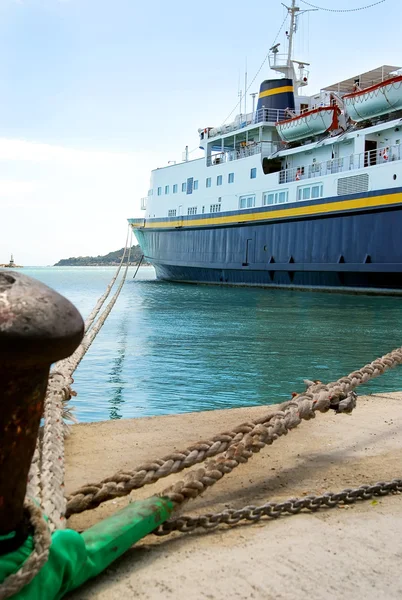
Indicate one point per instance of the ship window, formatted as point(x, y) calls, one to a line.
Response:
point(208, 182)
point(219, 180)
point(253, 173)
point(247, 201)
point(159, 191)
point(195, 184)
point(192, 210)
point(166, 189)
point(310, 192)
point(231, 178)
point(275, 197)
point(215, 208)
point(183, 187)
point(150, 192)
point(175, 188)
point(316, 191)
point(203, 209)
point(172, 212)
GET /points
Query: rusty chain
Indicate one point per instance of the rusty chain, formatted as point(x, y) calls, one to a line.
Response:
point(293, 506)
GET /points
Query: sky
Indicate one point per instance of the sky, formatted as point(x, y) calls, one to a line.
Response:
point(94, 94)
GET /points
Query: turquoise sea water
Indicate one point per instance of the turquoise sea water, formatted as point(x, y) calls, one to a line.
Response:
point(170, 348)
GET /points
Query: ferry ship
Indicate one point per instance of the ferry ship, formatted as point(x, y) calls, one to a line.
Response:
point(302, 192)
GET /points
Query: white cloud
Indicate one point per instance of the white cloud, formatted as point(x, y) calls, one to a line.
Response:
point(57, 202)
point(37, 152)
point(16, 188)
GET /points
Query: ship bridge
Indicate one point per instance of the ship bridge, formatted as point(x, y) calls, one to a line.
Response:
point(249, 134)
point(254, 134)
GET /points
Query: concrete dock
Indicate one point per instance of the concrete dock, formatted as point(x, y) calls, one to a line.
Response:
point(349, 552)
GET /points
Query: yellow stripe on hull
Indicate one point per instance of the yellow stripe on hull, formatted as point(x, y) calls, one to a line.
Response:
point(299, 211)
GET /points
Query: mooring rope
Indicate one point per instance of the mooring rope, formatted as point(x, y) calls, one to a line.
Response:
point(138, 266)
point(91, 318)
point(52, 498)
point(198, 480)
point(71, 363)
point(240, 442)
point(36, 560)
point(46, 476)
point(59, 388)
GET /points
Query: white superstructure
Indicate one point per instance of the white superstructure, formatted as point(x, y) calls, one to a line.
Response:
point(346, 135)
point(234, 178)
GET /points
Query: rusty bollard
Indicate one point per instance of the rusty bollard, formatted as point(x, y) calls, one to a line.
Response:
point(38, 326)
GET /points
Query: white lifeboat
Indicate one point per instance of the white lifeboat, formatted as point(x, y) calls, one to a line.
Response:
point(374, 101)
point(312, 122)
point(204, 133)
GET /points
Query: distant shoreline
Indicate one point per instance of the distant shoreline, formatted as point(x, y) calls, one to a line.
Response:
point(112, 259)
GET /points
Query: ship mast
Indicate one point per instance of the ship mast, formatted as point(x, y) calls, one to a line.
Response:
point(292, 10)
point(284, 63)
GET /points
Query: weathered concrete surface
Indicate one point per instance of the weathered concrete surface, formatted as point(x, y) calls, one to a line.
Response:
point(353, 552)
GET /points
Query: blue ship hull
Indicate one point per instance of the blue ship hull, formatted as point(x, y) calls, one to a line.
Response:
point(349, 248)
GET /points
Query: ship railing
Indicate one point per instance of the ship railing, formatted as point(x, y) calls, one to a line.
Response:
point(340, 165)
point(243, 151)
point(270, 115)
point(278, 60)
point(262, 115)
point(377, 156)
point(144, 202)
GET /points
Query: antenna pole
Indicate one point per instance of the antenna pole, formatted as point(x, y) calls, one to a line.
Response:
point(245, 90)
point(293, 9)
